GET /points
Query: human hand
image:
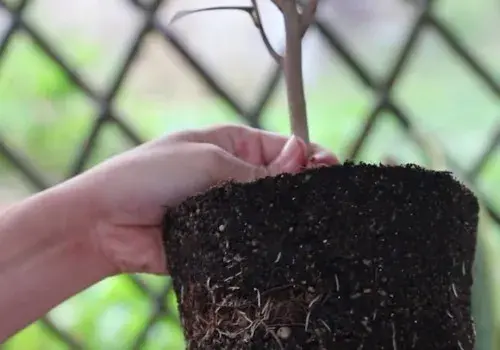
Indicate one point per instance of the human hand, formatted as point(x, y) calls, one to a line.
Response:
point(129, 193)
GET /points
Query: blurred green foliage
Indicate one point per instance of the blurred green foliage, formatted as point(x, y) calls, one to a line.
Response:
point(43, 114)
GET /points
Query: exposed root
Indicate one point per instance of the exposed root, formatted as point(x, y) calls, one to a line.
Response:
point(275, 313)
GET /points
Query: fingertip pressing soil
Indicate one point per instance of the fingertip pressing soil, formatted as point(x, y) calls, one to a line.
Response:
point(352, 256)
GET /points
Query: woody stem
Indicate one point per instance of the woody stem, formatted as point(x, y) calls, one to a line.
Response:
point(292, 66)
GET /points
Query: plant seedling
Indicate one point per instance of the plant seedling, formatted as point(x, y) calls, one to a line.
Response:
point(343, 257)
point(297, 19)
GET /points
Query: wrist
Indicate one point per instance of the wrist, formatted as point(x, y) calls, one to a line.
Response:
point(122, 245)
point(71, 215)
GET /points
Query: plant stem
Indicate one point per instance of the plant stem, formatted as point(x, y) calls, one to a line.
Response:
point(292, 66)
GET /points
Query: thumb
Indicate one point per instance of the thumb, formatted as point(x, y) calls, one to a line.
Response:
point(229, 167)
point(291, 159)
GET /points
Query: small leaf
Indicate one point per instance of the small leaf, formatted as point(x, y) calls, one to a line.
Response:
point(248, 9)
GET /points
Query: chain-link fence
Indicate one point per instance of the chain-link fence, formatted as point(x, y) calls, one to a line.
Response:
point(386, 104)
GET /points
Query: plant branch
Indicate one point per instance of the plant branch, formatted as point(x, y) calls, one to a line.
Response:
point(258, 23)
point(308, 16)
point(182, 14)
point(254, 13)
point(296, 25)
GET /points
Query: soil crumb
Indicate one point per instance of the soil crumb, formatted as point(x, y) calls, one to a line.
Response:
point(352, 256)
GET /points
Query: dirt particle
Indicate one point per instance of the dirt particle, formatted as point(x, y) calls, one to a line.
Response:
point(284, 332)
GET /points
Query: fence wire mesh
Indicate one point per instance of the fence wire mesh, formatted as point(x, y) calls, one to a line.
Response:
point(108, 114)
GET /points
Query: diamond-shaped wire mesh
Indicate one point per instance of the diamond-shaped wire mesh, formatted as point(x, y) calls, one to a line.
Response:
point(108, 115)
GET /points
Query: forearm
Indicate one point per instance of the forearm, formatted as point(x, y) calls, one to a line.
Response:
point(46, 256)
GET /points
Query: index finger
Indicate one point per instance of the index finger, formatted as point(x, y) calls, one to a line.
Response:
point(255, 146)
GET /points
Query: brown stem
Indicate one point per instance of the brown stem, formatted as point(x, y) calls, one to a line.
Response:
point(308, 15)
point(292, 66)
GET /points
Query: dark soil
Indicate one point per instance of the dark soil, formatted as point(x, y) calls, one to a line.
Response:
point(344, 257)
